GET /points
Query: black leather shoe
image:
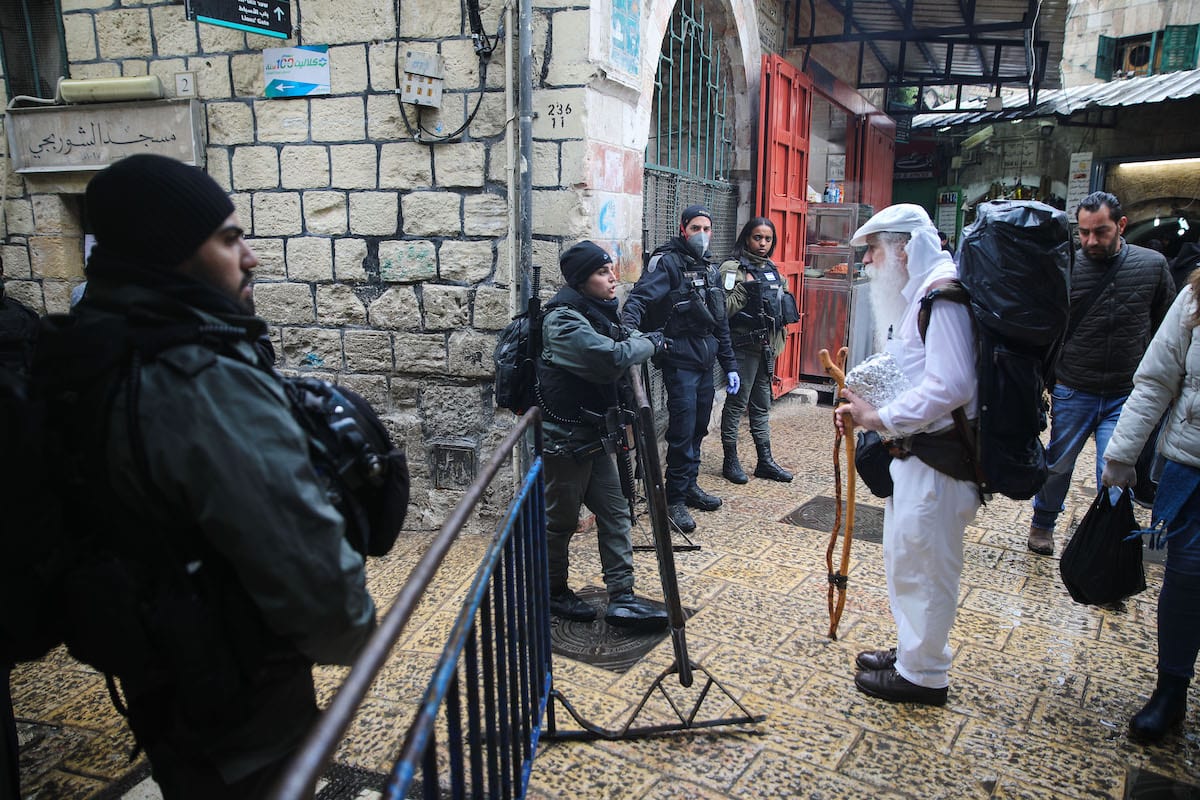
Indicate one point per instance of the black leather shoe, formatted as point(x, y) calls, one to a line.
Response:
point(680, 518)
point(568, 605)
point(627, 610)
point(887, 684)
point(871, 660)
point(731, 468)
point(698, 498)
point(1163, 713)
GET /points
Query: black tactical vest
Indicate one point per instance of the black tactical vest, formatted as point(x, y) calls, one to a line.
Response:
point(564, 396)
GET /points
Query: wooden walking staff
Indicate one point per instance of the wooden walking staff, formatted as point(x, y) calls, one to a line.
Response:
point(838, 579)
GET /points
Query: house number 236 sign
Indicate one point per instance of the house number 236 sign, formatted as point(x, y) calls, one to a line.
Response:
point(558, 113)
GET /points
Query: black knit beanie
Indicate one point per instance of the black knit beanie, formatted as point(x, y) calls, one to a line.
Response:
point(691, 212)
point(579, 261)
point(153, 210)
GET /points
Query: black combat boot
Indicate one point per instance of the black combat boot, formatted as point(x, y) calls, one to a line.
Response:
point(730, 467)
point(767, 468)
point(1164, 711)
point(568, 605)
point(698, 498)
point(627, 610)
point(678, 514)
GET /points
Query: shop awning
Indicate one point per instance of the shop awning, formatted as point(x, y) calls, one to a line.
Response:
point(939, 43)
point(1077, 102)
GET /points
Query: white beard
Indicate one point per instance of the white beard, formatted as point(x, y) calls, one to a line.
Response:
point(887, 304)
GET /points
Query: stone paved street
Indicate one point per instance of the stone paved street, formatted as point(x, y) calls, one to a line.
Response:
point(1041, 688)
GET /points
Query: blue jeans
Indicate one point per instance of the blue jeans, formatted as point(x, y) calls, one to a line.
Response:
point(1179, 600)
point(689, 406)
point(1075, 417)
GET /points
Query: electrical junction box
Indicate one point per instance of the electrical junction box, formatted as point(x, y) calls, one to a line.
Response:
point(422, 81)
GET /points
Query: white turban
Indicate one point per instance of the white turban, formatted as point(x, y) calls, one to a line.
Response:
point(924, 247)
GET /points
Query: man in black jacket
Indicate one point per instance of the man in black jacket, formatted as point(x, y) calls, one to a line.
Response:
point(680, 294)
point(1119, 294)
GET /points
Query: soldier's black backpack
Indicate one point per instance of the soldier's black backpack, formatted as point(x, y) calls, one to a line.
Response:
point(1014, 263)
point(516, 349)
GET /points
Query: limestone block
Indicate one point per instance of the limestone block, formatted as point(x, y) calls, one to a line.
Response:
point(432, 214)
point(338, 119)
point(470, 354)
point(428, 21)
point(212, 76)
point(165, 69)
point(103, 69)
point(134, 68)
point(53, 214)
point(446, 307)
point(491, 312)
point(280, 120)
point(348, 258)
point(18, 216)
point(454, 410)
point(277, 214)
point(465, 262)
point(353, 166)
point(325, 212)
point(368, 351)
point(559, 213)
point(216, 164)
point(421, 353)
point(569, 65)
point(545, 163)
point(383, 118)
point(348, 69)
point(218, 39)
point(80, 34)
point(79, 5)
point(572, 164)
point(373, 213)
point(56, 256)
point(407, 261)
point(459, 164)
point(404, 394)
point(405, 165)
point(255, 167)
point(57, 295)
point(304, 166)
point(229, 123)
point(560, 114)
point(337, 304)
point(174, 35)
point(246, 70)
point(312, 348)
point(14, 261)
point(285, 303)
point(27, 293)
point(309, 258)
point(244, 208)
point(503, 275)
point(485, 215)
point(440, 121)
point(124, 33)
point(498, 166)
point(461, 63)
point(373, 389)
point(381, 62)
point(491, 117)
point(342, 21)
point(271, 264)
point(396, 309)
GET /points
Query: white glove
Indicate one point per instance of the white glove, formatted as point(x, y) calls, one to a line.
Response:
point(735, 382)
point(1118, 474)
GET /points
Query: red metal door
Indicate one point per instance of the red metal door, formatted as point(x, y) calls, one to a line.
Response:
point(875, 152)
point(785, 104)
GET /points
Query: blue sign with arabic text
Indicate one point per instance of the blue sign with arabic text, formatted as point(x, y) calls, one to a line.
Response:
point(296, 71)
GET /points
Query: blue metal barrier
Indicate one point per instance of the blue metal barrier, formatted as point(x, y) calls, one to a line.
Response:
point(492, 682)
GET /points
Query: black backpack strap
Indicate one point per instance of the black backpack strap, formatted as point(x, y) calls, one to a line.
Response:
point(1080, 310)
point(954, 291)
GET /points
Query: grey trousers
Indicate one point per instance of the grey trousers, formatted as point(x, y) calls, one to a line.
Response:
point(594, 483)
point(755, 394)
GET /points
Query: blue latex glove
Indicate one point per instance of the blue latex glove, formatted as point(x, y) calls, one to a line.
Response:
point(735, 382)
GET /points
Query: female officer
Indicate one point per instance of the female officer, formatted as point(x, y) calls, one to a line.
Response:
point(758, 306)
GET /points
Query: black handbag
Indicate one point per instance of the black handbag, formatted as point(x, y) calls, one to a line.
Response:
point(1099, 566)
point(873, 462)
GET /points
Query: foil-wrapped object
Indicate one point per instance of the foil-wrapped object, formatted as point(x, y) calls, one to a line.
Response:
point(878, 379)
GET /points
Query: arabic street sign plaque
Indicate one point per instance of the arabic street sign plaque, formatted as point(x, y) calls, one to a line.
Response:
point(75, 138)
point(296, 71)
point(266, 17)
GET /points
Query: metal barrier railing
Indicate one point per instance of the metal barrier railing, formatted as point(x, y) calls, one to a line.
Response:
point(489, 691)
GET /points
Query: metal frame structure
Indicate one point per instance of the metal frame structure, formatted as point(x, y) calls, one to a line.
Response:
point(943, 43)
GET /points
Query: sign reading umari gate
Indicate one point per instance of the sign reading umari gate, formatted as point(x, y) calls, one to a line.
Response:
point(266, 17)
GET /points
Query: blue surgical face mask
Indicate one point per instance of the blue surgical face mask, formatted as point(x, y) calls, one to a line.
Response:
point(698, 243)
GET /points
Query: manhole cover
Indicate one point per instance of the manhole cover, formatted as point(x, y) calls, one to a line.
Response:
point(1143, 785)
point(817, 514)
point(598, 643)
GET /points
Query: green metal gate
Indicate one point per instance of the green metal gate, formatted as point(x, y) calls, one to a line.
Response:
point(689, 155)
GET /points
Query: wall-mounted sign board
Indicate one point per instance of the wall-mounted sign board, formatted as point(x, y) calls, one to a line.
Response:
point(265, 17)
point(91, 136)
point(296, 71)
